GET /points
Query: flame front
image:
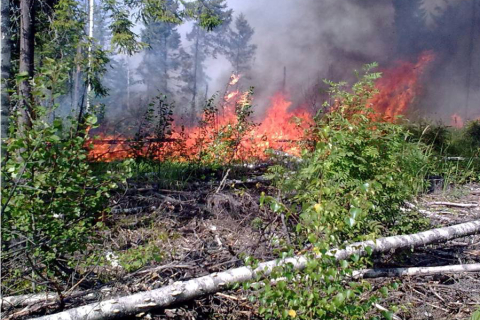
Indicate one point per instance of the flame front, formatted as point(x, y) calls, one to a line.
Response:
point(234, 79)
point(399, 86)
point(281, 128)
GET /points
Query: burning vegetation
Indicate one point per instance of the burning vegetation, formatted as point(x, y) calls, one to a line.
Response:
point(171, 195)
point(281, 128)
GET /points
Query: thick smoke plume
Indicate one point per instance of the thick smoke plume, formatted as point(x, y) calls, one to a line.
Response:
point(301, 42)
point(328, 39)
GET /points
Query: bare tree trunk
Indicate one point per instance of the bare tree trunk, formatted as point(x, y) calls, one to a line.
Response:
point(27, 43)
point(76, 83)
point(128, 83)
point(6, 51)
point(91, 4)
point(195, 76)
point(417, 271)
point(183, 291)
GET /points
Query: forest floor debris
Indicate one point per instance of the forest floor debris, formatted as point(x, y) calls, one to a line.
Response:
point(201, 230)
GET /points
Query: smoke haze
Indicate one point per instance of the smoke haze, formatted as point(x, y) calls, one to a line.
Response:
point(329, 39)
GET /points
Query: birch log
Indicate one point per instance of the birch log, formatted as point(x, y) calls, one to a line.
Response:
point(182, 291)
point(417, 271)
point(453, 204)
point(44, 297)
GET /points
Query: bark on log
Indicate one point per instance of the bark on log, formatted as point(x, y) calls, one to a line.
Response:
point(454, 204)
point(36, 298)
point(187, 290)
point(417, 271)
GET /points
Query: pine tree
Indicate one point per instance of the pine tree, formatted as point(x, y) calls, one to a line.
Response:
point(204, 44)
point(237, 48)
point(161, 58)
point(118, 81)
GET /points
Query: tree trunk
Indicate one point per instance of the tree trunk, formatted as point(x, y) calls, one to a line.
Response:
point(183, 291)
point(165, 68)
point(27, 43)
point(90, 36)
point(6, 50)
point(195, 76)
point(417, 271)
point(76, 83)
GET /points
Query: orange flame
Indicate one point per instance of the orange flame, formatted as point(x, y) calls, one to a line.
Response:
point(456, 121)
point(281, 128)
point(234, 79)
point(399, 86)
point(231, 95)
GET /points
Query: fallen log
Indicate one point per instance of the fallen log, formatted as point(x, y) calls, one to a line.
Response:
point(416, 271)
point(454, 204)
point(27, 299)
point(182, 291)
point(36, 298)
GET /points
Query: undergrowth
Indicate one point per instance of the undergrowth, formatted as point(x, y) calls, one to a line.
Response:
point(349, 187)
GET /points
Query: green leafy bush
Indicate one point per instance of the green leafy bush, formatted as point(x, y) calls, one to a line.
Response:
point(350, 186)
point(50, 196)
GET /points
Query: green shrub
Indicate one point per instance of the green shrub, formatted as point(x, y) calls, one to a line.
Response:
point(136, 258)
point(472, 133)
point(50, 198)
point(350, 187)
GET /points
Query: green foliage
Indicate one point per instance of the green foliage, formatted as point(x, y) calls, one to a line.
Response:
point(349, 187)
point(50, 197)
point(156, 126)
point(136, 258)
point(237, 46)
point(124, 39)
point(452, 152)
point(360, 171)
point(472, 133)
point(476, 315)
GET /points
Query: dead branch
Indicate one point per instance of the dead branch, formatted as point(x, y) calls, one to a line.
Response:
point(453, 204)
point(133, 210)
point(417, 271)
point(183, 291)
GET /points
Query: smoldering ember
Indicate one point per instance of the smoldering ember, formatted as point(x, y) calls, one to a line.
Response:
point(240, 159)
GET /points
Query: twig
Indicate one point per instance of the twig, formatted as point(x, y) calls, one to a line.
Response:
point(379, 307)
point(222, 183)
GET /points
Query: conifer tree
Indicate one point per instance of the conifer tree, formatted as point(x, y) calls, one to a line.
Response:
point(203, 44)
point(238, 48)
point(162, 57)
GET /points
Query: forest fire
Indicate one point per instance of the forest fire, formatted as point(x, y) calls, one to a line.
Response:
point(234, 79)
point(456, 121)
point(281, 128)
point(399, 86)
